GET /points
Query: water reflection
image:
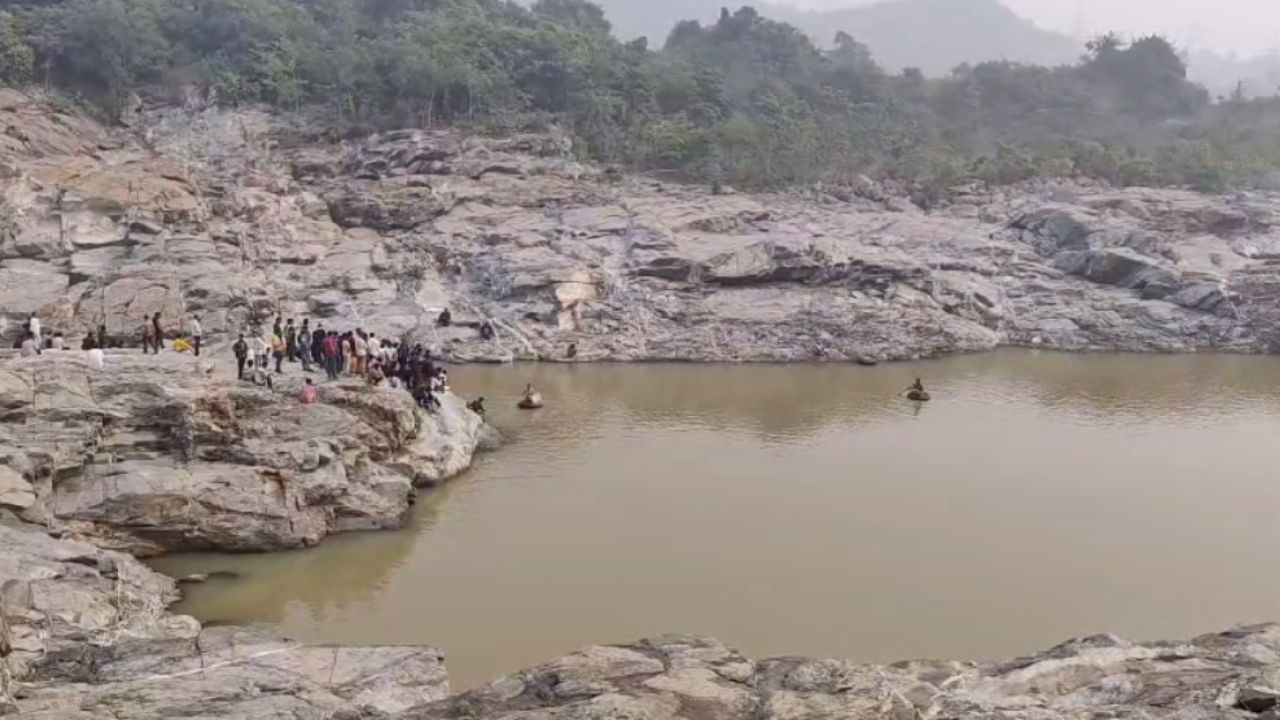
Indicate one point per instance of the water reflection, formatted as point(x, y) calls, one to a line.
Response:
point(811, 510)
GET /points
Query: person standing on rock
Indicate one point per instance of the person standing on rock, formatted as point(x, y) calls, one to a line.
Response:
point(331, 350)
point(262, 350)
point(159, 333)
point(148, 335)
point(304, 330)
point(278, 328)
point(241, 350)
point(277, 350)
point(303, 348)
point(360, 351)
point(317, 344)
point(196, 332)
point(33, 327)
point(102, 336)
point(291, 341)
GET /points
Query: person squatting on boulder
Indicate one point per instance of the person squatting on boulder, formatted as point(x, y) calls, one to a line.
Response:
point(29, 347)
point(310, 393)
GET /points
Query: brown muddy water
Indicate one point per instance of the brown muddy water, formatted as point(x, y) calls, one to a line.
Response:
point(808, 510)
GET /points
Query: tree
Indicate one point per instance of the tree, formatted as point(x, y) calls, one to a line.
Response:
point(17, 59)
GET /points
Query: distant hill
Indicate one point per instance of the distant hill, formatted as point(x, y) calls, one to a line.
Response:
point(933, 35)
point(937, 35)
point(1223, 76)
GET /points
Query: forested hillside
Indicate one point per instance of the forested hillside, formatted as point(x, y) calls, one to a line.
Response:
point(744, 100)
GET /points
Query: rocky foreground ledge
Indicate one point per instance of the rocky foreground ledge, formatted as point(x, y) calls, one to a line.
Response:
point(84, 634)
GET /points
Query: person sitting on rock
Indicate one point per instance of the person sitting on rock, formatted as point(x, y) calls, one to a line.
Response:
point(445, 319)
point(310, 393)
point(90, 342)
point(374, 375)
point(29, 346)
point(572, 352)
point(477, 406)
point(486, 330)
point(425, 398)
point(58, 342)
point(258, 375)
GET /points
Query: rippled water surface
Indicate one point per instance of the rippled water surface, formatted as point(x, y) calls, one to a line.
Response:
point(807, 510)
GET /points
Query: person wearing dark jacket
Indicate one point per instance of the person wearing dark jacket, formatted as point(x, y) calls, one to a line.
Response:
point(241, 350)
point(317, 345)
point(291, 341)
point(158, 337)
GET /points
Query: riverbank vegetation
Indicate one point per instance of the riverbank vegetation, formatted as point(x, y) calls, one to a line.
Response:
point(744, 101)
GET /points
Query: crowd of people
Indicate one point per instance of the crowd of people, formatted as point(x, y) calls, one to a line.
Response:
point(338, 354)
point(357, 353)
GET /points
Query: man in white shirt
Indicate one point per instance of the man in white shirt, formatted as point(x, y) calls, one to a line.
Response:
point(261, 349)
point(196, 332)
point(33, 327)
point(360, 349)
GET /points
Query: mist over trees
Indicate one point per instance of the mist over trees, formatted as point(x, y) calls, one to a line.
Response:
point(743, 100)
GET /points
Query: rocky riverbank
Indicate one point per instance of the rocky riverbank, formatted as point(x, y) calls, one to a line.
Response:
point(84, 634)
point(241, 215)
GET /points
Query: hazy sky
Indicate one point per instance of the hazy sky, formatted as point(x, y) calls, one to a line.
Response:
point(1246, 27)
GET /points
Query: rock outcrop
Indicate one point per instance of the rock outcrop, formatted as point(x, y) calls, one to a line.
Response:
point(1225, 676)
point(84, 634)
point(167, 453)
point(239, 215)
